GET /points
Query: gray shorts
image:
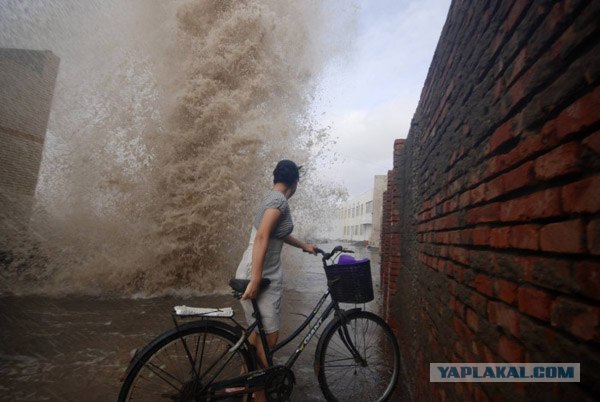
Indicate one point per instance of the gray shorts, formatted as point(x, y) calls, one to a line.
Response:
point(269, 305)
point(269, 300)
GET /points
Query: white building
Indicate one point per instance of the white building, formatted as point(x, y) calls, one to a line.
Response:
point(359, 218)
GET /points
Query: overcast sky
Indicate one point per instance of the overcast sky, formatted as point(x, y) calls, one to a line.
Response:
point(369, 98)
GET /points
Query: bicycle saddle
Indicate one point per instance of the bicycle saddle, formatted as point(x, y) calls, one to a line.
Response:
point(239, 285)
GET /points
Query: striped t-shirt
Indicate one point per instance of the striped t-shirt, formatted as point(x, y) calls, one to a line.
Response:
point(276, 199)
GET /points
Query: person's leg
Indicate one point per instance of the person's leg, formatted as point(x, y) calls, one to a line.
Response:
point(254, 338)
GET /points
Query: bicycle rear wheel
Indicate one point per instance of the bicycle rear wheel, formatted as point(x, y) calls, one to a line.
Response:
point(373, 374)
point(178, 364)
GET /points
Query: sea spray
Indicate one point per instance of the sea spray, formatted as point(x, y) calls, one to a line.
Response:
point(164, 131)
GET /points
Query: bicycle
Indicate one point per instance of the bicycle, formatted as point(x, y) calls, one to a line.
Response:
point(210, 358)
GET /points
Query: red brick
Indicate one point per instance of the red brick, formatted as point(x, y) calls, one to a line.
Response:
point(580, 319)
point(483, 284)
point(450, 205)
point(481, 235)
point(459, 254)
point(505, 290)
point(593, 237)
point(587, 278)
point(454, 237)
point(494, 188)
point(582, 196)
point(518, 65)
point(559, 162)
point(525, 236)
point(465, 236)
point(456, 271)
point(478, 302)
point(562, 237)
point(447, 222)
point(593, 142)
point(489, 356)
point(459, 307)
point(462, 331)
point(551, 273)
point(510, 350)
point(464, 199)
point(459, 349)
point(505, 317)
point(531, 143)
point(472, 320)
point(502, 134)
point(519, 88)
point(580, 114)
point(542, 204)
point(484, 213)
point(494, 165)
point(519, 177)
point(535, 303)
point(480, 395)
point(479, 349)
point(499, 237)
point(477, 194)
point(515, 12)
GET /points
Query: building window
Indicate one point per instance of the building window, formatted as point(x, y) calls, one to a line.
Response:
point(369, 206)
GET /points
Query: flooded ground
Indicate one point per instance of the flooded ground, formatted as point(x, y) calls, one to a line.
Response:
point(77, 348)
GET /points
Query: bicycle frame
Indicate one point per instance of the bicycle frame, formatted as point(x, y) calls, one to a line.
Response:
point(292, 359)
point(257, 375)
point(333, 305)
point(255, 378)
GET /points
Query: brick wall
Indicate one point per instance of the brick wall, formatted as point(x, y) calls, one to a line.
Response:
point(491, 237)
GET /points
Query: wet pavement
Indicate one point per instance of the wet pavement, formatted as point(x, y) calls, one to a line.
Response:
point(77, 348)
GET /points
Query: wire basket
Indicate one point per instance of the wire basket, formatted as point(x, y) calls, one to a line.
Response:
point(350, 283)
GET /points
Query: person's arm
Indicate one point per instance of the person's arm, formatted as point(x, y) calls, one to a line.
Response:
point(309, 248)
point(261, 242)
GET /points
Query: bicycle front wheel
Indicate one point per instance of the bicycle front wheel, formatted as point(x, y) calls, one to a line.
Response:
point(358, 360)
point(181, 364)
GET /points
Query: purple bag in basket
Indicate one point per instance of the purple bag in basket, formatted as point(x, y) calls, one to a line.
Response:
point(346, 259)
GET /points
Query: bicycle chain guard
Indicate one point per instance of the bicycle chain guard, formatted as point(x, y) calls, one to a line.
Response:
point(279, 384)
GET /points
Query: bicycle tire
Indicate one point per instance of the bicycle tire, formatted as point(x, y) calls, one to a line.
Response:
point(162, 371)
point(341, 377)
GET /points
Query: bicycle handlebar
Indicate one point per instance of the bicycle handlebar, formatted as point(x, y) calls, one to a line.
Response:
point(336, 249)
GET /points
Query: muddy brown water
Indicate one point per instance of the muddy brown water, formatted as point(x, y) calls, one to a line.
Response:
point(77, 348)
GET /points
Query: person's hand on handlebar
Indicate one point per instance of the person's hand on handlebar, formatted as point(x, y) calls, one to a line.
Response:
point(310, 248)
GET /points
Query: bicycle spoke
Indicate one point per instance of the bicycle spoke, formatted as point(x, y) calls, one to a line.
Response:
point(157, 370)
point(202, 352)
point(371, 375)
point(167, 372)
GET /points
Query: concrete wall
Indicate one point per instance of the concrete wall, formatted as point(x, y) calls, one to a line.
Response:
point(491, 239)
point(378, 188)
point(27, 79)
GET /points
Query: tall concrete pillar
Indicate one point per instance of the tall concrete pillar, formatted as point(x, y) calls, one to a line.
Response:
point(27, 79)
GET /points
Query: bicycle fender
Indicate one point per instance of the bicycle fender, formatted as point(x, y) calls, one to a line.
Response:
point(232, 330)
point(328, 328)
